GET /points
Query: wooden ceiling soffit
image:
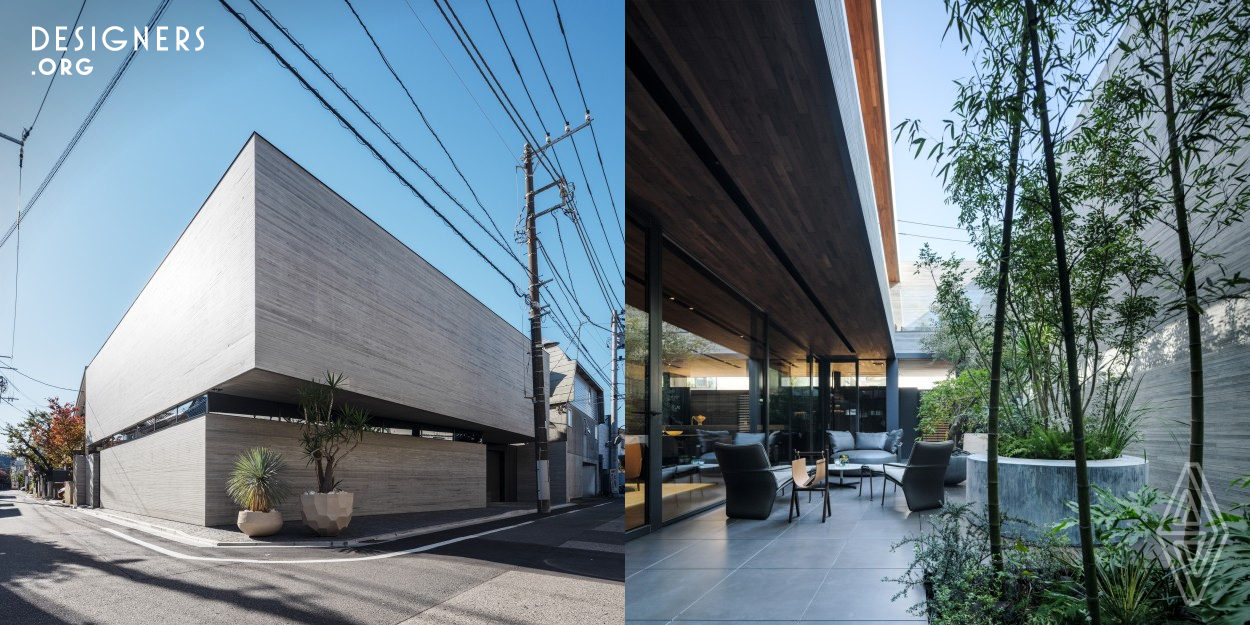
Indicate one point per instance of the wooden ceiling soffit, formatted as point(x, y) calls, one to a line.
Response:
point(654, 86)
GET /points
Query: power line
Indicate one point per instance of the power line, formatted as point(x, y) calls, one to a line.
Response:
point(359, 137)
point(601, 276)
point(108, 89)
point(424, 120)
point(593, 136)
point(17, 265)
point(56, 73)
point(565, 289)
point(395, 142)
point(573, 139)
point(61, 388)
point(921, 223)
point(517, 68)
point(925, 236)
point(518, 121)
point(460, 78)
point(514, 115)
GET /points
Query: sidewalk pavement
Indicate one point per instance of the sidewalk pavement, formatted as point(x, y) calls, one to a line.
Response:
point(363, 530)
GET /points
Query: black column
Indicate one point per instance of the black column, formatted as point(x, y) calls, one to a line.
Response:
point(655, 377)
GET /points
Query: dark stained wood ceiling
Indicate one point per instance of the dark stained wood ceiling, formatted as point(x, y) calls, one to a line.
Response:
point(734, 146)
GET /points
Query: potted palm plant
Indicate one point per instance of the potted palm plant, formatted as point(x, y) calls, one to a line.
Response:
point(328, 434)
point(256, 484)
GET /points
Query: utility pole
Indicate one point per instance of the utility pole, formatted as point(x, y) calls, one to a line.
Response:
point(542, 463)
point(613, 460)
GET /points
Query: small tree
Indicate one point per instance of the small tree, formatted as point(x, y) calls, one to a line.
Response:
point(48, 439)
point(329, 432)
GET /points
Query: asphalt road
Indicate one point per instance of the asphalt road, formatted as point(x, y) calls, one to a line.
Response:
point(59, 565)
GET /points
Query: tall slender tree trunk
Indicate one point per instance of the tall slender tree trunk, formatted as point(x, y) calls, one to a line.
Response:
point(1069, 329)
point(1193, 315)
point(1000, 322)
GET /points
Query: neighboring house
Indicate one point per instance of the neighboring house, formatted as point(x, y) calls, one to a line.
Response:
point(576, 413)
point(276, 281)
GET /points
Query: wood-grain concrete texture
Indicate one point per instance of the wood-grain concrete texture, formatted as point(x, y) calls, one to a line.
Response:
point(160, 475)
point(335, 290)
point(1161, 363)
point(193, 323)
point(278, 279)
point(387, 473)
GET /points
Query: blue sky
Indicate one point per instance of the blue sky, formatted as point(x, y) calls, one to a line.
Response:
point(175, 121)
point(920, 72)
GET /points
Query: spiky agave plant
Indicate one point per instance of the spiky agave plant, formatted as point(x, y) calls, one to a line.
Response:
point(256, 483)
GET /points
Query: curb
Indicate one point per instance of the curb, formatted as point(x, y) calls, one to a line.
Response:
point(184, 538)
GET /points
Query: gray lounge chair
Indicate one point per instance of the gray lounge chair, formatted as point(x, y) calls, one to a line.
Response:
point(923, 477)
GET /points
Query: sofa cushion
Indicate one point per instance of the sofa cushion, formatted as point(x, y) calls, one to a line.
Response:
point(869, 456)
point(749, 438)
point(840, 440)
point(870, 440)
point(709, 438)
point(892, 439)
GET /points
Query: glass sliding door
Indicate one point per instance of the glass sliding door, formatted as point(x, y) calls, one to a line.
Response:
point(707, 343)
point(633, 449)
point(793, 424)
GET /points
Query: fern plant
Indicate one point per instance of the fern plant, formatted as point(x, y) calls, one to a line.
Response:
point(256, 482)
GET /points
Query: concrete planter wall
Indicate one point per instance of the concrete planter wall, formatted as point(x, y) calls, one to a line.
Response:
point(1037, 490)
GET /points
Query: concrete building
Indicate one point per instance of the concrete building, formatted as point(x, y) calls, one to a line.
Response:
point(276, 281)
point(575, 436)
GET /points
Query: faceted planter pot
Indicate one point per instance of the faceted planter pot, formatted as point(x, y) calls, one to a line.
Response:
point(1037, 490)
point(259, 523)
point(327, 514)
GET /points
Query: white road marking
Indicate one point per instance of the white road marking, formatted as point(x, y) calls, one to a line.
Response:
point(183, 556)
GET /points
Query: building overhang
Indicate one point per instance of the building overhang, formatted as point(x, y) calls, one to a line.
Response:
point(282, 391)
point(740, 150)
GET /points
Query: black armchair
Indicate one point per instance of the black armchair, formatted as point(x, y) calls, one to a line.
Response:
point(923, 477)
point(750, 484)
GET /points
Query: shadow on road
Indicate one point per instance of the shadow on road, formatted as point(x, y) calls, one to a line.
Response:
point(33, 561)
point(22, 611)
point(8, 509)
point(546, 545)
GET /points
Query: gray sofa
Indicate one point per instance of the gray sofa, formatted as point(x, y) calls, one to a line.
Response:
point(709, 438)
point(871, 448)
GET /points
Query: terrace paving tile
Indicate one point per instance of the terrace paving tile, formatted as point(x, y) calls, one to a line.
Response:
point(713, 554)
point(871, 553)
point(662, 594)
point(861, 594)
point(645, 552)
point(820, 553)
point(755, 594)
point(775, 571)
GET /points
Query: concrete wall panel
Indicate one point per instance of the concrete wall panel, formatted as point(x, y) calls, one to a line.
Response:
point(336, 291)
point(159, 475)
point(193, 324)
point(388, 473)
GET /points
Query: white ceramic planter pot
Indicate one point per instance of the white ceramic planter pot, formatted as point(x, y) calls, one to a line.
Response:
point(260, 523)
point(327, 514)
